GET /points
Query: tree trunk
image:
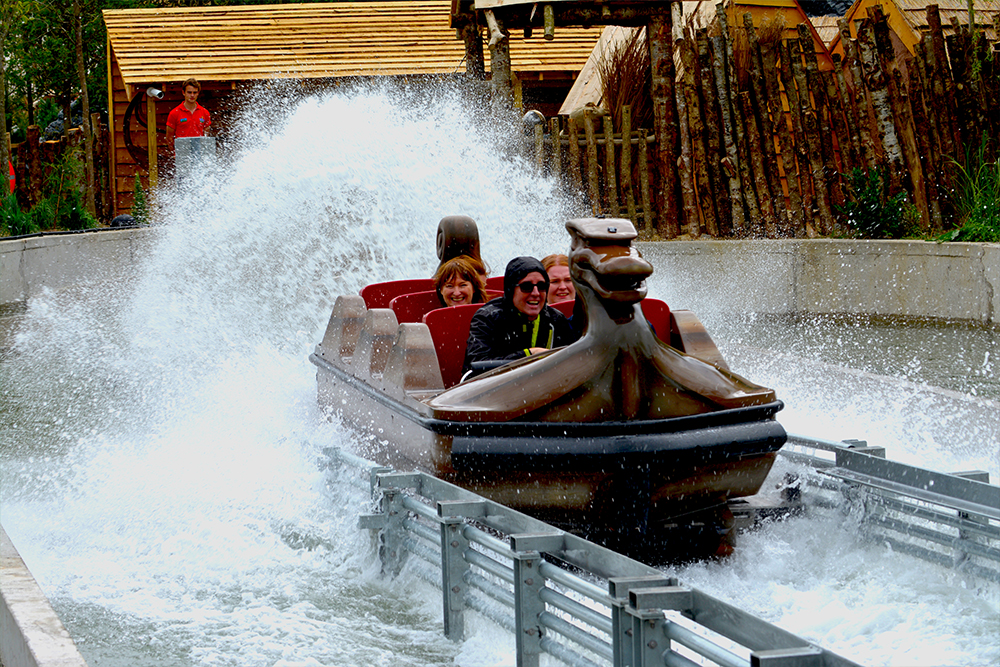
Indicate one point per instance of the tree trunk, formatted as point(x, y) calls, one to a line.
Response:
point(710, 114)
point(730, 171)
point(692, 224)
point(869, 155)
point(799, 142)
point(761, 113)
point(769, 62)
point(88, 134)
point(810, 126)
point(882, 105)
point(661, 64)
point(696, 126)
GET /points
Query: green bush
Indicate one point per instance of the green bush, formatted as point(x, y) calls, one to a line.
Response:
point(14, 221)
point(140, 207)
point(977, 197)
point(872, 213)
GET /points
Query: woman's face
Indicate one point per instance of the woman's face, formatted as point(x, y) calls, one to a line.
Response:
point(561, 288)
point(456, 290)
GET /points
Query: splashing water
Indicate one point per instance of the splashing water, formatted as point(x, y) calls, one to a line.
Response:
point(161, 445)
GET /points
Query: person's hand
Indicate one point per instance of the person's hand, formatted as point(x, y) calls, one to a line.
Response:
point(538, 350)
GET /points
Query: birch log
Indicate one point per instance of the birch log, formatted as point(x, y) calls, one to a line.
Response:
point(712, 132)
point(800, 143)
point(785, 150)
point(810, 127)
point(877, 83)
point(762, 115)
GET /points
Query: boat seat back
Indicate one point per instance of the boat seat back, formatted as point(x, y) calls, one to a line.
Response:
point(413, 307)
point(378, 295)
point(495, 283)
point(656, 312)
point(450, 332)
point(343, 329)
point(412, 364)
point(378, 333)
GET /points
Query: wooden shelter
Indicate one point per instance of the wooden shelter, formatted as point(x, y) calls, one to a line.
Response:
point(700, 14)
point(908, 21)
point(226, 48)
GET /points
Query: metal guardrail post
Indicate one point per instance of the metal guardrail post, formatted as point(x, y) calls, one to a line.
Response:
point(961, 555)
point(453, 570)
point(528, 605)
point(622, 631)
point(392, 552)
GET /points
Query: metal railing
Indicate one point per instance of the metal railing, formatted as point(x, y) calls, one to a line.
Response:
point(952, 520)
point(558, 593)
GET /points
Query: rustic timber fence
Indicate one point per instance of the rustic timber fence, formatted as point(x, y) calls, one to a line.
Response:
point(35, 160)
point(766, 139)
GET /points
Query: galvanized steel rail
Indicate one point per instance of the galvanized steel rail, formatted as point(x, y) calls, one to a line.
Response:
point(952, 520)
point(514, 569)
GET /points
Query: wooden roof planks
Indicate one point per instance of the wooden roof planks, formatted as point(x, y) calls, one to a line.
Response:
point(315, 40)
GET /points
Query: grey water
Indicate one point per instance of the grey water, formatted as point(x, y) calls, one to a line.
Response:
point(161, 466)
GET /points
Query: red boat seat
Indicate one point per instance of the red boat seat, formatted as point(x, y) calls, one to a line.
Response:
point(378, 295)
point(450, 332)
point(495, 283)
point(412, 307)
point(656, 312)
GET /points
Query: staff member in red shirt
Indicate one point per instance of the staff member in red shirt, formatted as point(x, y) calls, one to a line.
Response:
point(188, 119)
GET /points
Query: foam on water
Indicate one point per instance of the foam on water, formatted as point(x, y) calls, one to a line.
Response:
point(162, 449)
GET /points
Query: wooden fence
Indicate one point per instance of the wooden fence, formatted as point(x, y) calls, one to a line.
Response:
point(765, 148)
point(34, 162)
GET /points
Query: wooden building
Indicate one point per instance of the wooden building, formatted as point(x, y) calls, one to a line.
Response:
point(226, 48)
point(908, 21)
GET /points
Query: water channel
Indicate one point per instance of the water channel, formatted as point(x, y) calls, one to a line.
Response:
point(161, 446)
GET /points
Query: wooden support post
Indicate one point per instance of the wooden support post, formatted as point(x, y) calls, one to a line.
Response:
point(593, 186)
point(475, 62)
point(575, 176)
point(500, 75)
point(661, 65)
point(729, 165)
point(151, 140)
point(549, 19)
point(34, 160)
point(626, 163)
point(557, 168)
point(648, 214)
point(610, 183)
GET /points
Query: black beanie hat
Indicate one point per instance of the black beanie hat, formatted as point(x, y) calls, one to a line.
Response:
point(517, 269)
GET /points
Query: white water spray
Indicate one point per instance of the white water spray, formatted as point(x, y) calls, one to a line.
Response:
point(161, 446)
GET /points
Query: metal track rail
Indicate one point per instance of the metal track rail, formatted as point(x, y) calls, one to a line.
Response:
point(560, 594)
point(948, 519)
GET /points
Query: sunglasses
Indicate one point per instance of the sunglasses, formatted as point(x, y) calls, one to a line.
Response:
point(528, 288)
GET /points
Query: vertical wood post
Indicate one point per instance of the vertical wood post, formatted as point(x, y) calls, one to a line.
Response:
point(648, 213)
point(575, 177)
point(475, 61)
point(626, 163)
point(610, 182)
point(34, 160)
point(593, 184)
point(729, 172)
point(500, 77)
point(151, 140)
point(661, 66)
point(557, 167)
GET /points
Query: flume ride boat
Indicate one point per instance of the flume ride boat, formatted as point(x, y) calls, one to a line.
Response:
point(636, 431)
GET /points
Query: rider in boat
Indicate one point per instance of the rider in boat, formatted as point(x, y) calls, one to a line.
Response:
point(519, 323)
point(460, 281)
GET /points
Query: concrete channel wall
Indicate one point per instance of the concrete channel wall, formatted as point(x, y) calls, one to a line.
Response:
point(954, 281)
point(31, 635)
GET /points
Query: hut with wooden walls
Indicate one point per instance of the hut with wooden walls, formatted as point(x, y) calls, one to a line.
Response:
point(227, 48)
point(908, 21)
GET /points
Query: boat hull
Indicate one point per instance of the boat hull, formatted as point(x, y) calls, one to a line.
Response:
point(646, 472)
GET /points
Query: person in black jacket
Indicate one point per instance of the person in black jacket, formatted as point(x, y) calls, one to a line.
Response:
point(519, 323)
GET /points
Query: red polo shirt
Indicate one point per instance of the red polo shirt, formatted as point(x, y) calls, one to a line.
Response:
point(186, 123)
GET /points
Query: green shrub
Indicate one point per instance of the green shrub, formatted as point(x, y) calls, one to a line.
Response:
point(140, 207)
point(872, 213)
point(14, 221)
point(977, 197)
